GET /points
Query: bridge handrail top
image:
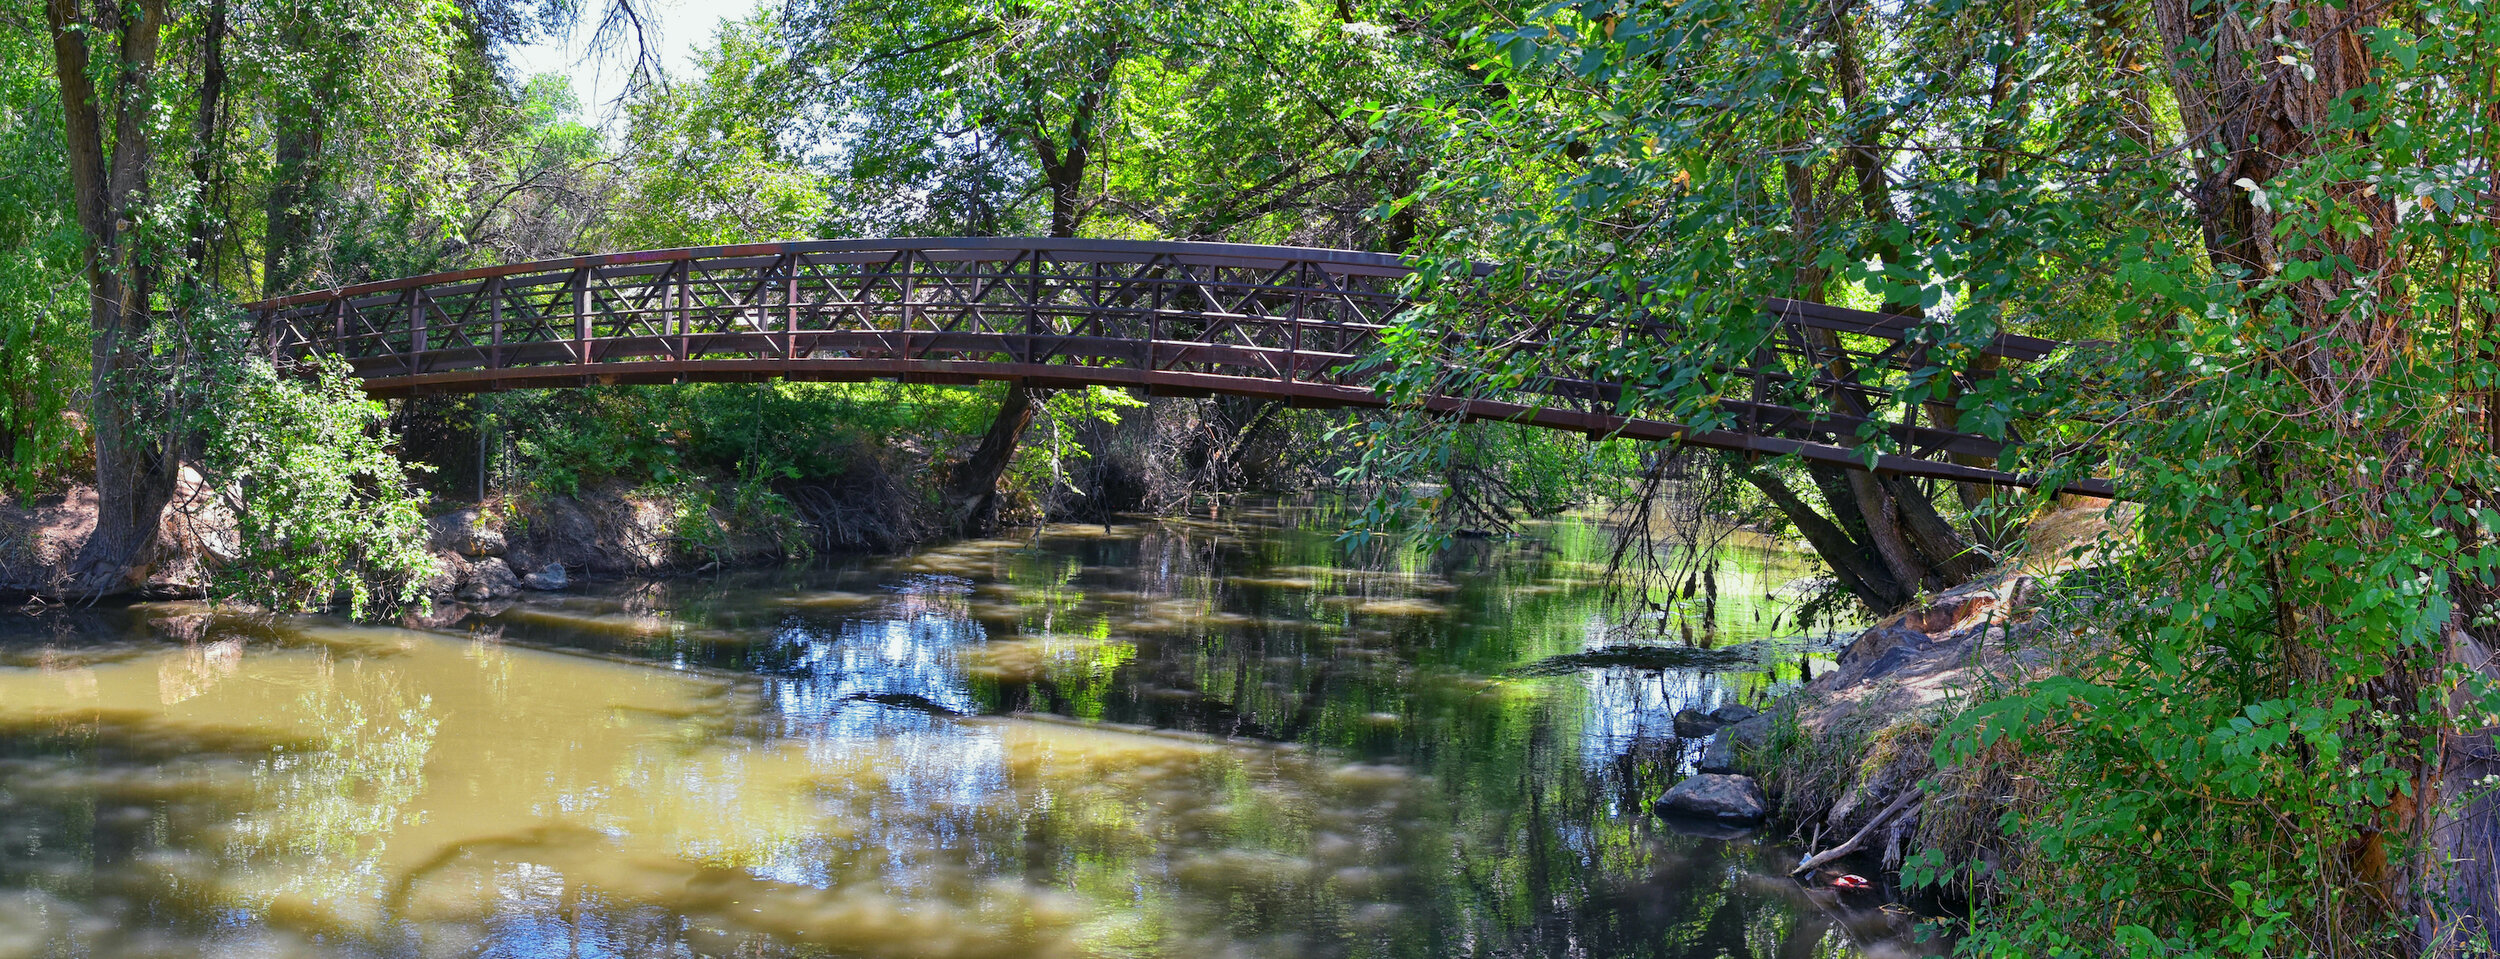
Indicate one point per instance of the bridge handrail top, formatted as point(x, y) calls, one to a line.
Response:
point(1376, 261)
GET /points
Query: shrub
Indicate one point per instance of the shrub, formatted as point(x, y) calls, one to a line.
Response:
point(323, 509)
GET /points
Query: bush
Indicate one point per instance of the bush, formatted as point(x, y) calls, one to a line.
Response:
point(323, 509)
point(754, 433)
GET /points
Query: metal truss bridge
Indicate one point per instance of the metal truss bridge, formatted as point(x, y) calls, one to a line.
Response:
point(1297, 325)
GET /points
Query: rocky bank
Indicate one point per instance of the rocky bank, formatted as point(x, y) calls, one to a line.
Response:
point(486, 552)
point(1840, 761)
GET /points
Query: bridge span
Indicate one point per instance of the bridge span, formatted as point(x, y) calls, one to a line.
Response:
point(1171, 318)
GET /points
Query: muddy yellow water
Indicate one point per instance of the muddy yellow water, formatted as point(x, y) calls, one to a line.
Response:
point(1199, 740)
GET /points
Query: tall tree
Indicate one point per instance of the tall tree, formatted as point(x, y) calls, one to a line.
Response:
point(2294, 278)
point(1198, 118)
point(1041, 78)
point(105, 59)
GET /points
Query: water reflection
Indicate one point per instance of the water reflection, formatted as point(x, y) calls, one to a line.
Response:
point(1177, 738)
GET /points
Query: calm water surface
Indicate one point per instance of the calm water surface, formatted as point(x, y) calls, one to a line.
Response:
point(1201, 739)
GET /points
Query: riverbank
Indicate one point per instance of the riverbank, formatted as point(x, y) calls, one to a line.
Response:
point(484, 552)
point(1846, 763)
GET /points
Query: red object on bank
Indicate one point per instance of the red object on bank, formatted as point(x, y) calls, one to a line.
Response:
point(1850, 882)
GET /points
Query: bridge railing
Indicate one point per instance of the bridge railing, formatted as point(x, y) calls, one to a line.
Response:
point(1192, 318)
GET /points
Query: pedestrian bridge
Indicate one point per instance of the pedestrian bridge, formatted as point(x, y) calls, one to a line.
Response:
point(1303, 326)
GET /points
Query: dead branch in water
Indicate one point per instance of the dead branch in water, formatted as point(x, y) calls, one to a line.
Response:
point(1816, 861)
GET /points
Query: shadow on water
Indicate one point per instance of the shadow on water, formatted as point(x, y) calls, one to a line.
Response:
point(1199, 737)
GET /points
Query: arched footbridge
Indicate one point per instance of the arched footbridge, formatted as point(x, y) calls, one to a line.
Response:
point(1284, 323)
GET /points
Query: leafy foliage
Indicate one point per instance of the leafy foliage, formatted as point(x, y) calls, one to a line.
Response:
point(321, 506)
point(1477, 478)
point(43, 332)
point(759, 433)
point(706, 164)
point(1043, 468)
point(2254, 737)
point(1205, 119)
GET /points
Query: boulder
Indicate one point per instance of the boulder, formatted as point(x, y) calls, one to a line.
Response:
point(1747, 736)
point(1733, 713)
point(485, 579)
point(1881, 650)
point(465, 531)
point(1724, 798)
point(548, 577)
point(1876, 642)
point(449, 570)
point(433, 616)
point(1684, 825)
point(1694, 724)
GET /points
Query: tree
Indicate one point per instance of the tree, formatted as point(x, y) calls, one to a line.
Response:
point(706, 160)
point(105, 61)
point(349, 95)
point(2292, 277)
point(43, 333)
point(1199, 119)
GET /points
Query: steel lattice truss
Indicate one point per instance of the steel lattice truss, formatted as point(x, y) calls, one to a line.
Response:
point(1298, 325)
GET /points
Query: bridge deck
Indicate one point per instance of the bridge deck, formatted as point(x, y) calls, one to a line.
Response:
point(1298, 325)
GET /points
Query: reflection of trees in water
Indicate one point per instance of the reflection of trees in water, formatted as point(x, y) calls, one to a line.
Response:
point(1538, 841)
point(330, 810)
point(1527, 835)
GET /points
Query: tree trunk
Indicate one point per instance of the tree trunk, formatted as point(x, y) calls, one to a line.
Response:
point(972, 504)
point(1950, 557)
point(973, 501)
point(1883, 531)
point(136, 460)
point(1892, 525)
point(1864, 576)
point(207, 131)
point(2269, 83)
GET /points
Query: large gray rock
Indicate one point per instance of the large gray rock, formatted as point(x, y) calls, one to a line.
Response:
point(1694, 724)
point(489, 578)
point(1878, 652)
point(1727, 799)
point(1733, 713)
point(1733, 742)
point(548, 577)
point(466, 532)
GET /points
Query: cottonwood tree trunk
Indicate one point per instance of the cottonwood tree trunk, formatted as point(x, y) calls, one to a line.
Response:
point(1883, 539)
point(106, 135)
point(972, 503)
point(973, 500)
point(2265, 82)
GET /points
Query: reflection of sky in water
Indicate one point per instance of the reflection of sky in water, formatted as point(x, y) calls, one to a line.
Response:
point(1631, 708)
point(946, 771)
point(821, 693)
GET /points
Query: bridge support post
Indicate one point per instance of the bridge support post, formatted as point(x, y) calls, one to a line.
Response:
point(494, 316)
point(581, 316)
point(416, 331)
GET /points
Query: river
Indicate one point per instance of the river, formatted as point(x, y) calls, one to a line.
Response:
point(1195, 738)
